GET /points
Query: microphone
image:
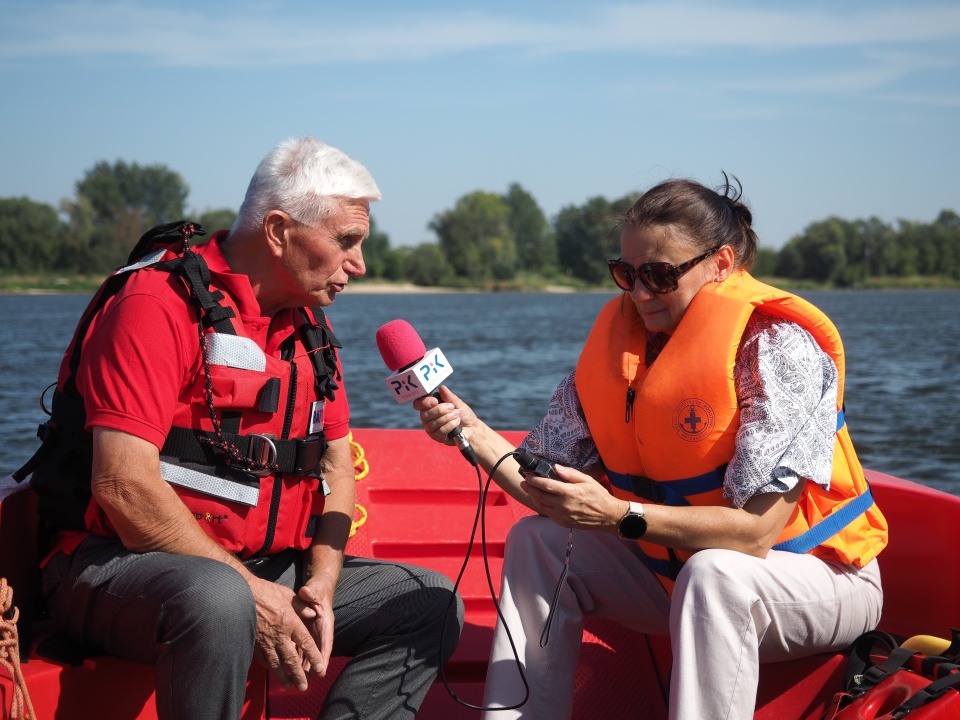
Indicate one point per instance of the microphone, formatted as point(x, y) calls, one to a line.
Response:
point(417, 372)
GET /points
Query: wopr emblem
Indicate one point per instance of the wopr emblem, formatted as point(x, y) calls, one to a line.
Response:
point(693, 419)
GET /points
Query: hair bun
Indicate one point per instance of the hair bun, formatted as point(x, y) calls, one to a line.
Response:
point(732, 193)
point(743, 213)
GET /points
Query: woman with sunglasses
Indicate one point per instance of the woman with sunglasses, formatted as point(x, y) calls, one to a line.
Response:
point(703, 468)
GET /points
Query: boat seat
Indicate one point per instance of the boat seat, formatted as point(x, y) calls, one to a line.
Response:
point(65, 681)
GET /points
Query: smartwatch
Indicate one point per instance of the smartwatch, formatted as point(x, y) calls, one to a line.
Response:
point(633, 525)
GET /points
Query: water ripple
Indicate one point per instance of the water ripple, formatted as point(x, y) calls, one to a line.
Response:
point(510, 350)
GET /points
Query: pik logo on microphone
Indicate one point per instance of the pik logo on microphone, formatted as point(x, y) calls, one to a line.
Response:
point(421, 378)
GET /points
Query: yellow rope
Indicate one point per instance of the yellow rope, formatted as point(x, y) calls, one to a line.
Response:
point(360, 465)
point(21, 707)
point(361, 468)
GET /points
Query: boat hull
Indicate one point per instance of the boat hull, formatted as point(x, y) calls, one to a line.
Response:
point(419, 500)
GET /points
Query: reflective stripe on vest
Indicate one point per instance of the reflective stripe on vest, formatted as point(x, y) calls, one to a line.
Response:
point(235, 351)
point(246, 493)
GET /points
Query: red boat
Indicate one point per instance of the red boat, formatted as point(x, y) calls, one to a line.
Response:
point(416, 503)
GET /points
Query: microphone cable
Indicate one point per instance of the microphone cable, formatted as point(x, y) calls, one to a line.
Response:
point(529, 461)
point(481, 519)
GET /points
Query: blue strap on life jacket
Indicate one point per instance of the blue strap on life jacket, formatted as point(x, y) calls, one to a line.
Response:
point(675, 493)
point(829, 526)
point(659, 566)
point(668, 492)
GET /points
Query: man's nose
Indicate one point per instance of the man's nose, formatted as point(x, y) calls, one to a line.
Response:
point(353, 263)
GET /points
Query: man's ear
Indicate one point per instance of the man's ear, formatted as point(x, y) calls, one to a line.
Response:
point(276, 227)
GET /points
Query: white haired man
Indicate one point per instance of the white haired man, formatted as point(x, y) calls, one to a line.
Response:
point(204, 429)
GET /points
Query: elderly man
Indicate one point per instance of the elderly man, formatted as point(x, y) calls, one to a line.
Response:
point(200, 417)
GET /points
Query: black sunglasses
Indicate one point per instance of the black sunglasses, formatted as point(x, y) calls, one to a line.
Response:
point(657, 277)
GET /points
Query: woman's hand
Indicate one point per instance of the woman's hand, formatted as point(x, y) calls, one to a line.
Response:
point(440, 418)
point(575, 501)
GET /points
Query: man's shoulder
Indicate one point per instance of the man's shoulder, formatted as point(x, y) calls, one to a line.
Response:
point(149, 290)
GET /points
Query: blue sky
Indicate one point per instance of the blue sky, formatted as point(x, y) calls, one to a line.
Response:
point(848, 108)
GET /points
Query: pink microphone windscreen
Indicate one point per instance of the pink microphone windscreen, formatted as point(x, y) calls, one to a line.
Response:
point(399, 344)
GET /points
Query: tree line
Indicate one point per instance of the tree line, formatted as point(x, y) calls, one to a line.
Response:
point(484, 239)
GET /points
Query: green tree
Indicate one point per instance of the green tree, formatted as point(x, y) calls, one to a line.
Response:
point(376, 251)
point(476, 239)
point(587, 236)
point(154, 191)
point(29, 235)
point(907, 250)
point(823, 248)
point(127, 200)
point(76, 253)
point(213, 220)
point(765, 263)
point(536, 246)
point(946, 231)
point(395, 264)
point(845, 253)
point(425, 265)
point(873, 240)
point(790, 261)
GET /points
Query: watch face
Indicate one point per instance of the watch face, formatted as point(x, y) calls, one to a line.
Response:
point(632, 527)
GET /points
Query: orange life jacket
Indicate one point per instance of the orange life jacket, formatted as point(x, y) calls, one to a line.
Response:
point(673, 446)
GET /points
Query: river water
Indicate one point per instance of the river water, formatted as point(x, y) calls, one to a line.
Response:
point(509, 350)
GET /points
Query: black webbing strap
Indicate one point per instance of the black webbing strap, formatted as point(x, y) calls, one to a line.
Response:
point(67, 426)
point(953, 651)
point(321, 345)
point(897, 660)
point(195, 271)
point(860, 663)
point(296, 457)
point(926, 695)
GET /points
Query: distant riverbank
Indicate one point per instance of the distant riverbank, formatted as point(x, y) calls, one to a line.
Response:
point(88, 284)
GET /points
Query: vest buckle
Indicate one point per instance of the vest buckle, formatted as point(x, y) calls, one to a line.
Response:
point(263, 452)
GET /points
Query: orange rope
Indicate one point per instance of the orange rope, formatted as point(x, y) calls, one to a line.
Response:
point(21, 706)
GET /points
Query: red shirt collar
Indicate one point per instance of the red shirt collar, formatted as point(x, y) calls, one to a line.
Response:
point(237, 285)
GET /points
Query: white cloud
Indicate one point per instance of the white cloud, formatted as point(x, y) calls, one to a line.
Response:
point(288, 34)
point(870, 71)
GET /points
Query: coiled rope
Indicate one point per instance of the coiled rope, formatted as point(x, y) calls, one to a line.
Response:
point(361, 469)
point(21, 705)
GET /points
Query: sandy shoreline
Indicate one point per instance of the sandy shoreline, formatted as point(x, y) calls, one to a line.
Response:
point(374, 288)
